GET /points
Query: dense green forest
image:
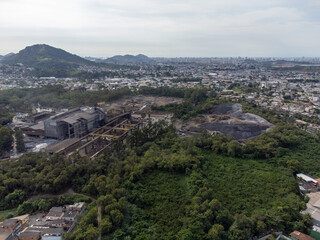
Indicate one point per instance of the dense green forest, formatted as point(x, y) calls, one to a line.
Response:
point(158, 186)
point(22, 100)
point(6, 140)
point(5, 116)
point(54, 70)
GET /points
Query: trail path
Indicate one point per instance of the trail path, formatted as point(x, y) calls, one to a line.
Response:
point(67, 192)
point(99, 219)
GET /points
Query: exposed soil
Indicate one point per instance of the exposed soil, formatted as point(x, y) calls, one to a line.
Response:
point(139, 104)
point(238, 131)
point(224, 118)
point(227, 119)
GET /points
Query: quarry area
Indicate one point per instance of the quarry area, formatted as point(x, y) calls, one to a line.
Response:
point(227, 119)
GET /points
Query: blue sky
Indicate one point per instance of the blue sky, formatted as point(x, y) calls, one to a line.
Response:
point(163, 28)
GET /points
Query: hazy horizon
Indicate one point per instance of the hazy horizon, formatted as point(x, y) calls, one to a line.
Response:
point(104, 57)
point(203, 28)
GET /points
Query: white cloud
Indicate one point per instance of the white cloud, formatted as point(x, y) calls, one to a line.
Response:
point(162, 28)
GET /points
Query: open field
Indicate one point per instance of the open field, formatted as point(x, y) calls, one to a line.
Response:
point(139, 104)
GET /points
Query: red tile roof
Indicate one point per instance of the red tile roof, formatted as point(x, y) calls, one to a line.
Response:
point(300, 236)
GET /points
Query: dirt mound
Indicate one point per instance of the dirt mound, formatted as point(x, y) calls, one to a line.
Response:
point(225, 109)
point(231, 121)
point(235, 110)
point(238, 131)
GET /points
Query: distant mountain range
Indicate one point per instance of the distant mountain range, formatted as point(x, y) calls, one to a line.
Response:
point(129, 59)
point(7, 55)
point(93, 59)
point(45, 56)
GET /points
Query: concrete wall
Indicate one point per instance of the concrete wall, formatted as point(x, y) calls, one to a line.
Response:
point(55, 129)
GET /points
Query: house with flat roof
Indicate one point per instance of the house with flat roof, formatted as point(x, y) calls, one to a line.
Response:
point(8, 228)
point(29, 235)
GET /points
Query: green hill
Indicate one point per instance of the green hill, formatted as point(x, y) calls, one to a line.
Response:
point(130, 59)
point(45, 56)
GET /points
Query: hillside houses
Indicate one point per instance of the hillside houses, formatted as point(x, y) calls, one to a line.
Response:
point(50, 226)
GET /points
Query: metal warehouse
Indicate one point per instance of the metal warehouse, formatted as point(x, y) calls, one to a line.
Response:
point(75, 123)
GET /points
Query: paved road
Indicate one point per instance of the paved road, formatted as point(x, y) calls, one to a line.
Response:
point(315, 214)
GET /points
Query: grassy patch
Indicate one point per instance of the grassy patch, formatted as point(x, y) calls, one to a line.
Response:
point(4, 214)
point(315, 235)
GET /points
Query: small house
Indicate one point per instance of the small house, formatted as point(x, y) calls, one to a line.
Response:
point(300, 236)
point(29, 235)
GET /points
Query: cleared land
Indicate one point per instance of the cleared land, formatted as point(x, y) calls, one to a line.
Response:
point(227, 119)
point(139, 104)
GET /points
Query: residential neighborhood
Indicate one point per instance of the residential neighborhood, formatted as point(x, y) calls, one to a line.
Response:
point(45, 226)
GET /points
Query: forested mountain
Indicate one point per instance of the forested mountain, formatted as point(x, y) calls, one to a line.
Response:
point(130, 59)
point(7, 55)
point(45, 56)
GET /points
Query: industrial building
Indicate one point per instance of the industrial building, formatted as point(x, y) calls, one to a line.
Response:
point(94, 143)
point(75, 123)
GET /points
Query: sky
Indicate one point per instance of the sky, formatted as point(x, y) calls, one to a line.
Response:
point(164, 28)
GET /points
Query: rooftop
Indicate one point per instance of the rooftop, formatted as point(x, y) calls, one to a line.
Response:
point(4, 234)
point(61, 145)
point(29, 233)
point(9, 222)
point(301, 236)
point(306, 178)
point(70, 214)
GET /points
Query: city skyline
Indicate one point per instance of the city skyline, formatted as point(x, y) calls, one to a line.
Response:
point(164, 29)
